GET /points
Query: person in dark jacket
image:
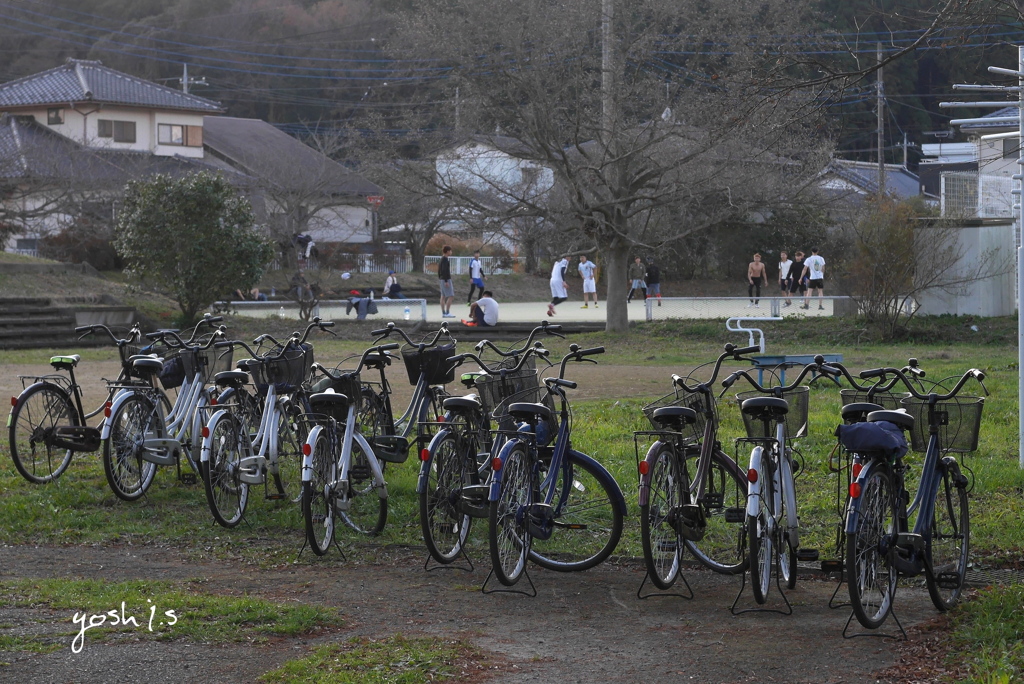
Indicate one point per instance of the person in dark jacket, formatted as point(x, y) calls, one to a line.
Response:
point(444, 275)
point(653, 280)
point(637, 271)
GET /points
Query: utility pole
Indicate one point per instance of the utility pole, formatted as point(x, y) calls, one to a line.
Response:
point(879, 105)
point(186, 81)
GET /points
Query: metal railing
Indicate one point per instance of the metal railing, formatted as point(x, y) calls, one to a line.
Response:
point(491, 265)
point(729, 307)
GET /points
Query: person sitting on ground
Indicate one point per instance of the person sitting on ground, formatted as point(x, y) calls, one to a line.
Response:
point(257, 296)
point(393, 288)
point(484, 311)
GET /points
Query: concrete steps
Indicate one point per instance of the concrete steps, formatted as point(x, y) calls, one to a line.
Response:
point(36, 322)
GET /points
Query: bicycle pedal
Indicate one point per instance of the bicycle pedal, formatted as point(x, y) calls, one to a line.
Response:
point(359, 473)
point(808, 555)
point(189, 479)
point(667, 546)
point(714, 499)
point(735, 515)
point(832, 566)
point(949, 580)
point(910, 541)
point(275, 497)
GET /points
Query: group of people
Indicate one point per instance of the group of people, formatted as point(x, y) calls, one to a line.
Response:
point(484, 311)
point(643, 278)
point(802, 275)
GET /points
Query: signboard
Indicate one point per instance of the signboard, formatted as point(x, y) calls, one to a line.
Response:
point(375, 200)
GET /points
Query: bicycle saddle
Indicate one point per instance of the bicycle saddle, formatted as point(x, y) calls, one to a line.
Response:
point(377, 360)
point(678, 415)
point(65, 361)
point(147, 364)
point(469, 403)
point(767, 407)
point(525, 410)
point(328, 399)
point(230, 377)
point(902, 420)
point(858, 412)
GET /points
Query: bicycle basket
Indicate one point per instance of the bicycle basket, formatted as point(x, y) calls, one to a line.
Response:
point(961, 423)
point(494, 389)
point(216, 361)
point(286, 373)
point(680, 397)
point(887, 400)
point(533, 395)
point(431, 361)
point(796, 418)
point(342, 382)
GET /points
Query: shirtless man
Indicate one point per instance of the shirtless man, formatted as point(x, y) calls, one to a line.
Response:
point(755, 275)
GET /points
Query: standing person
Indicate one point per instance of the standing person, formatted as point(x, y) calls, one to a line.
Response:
point(392, 288)
point(586, 269)
point(755, 274)
point(636, 279)
point(814, 268)
point(476, 277)
point(796, 277)
point(484, 311)
point(444, 274)
point(785, 274)
point(559, 293)
point(653, 279)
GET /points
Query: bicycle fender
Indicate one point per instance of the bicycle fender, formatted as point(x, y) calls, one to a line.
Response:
point(853, 508)
point(602, 472)
point(204, 455)
point(496, 474)
point(421, 481)
point(645, 479)
point(55, 386)
point(754, 488)
point(119, 399)
point(307, 458)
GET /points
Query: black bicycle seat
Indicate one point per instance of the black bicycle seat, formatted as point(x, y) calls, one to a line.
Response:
point(525, 410)
point(328, 399)
point(230, 377)
point(902, 420)
point(147, 364)
point(675, 414)
point(766, 407)
point(469, 403)
point(857, 412)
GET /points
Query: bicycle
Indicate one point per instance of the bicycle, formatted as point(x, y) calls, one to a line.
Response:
point(772, 524)
point(246, 439)
point(540, 485)
point(47, 423)
point(139, 433)
point(692, 494)
point(341, 474)
point(881, 545)
point(455, 468)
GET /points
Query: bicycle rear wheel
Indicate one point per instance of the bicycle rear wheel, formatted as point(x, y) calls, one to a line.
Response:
point(761, 532)
point(39, 411)
point(869, 573)
point(366, 511)
point(721, 547)
point(949, 543)
point(226, 494)
point(317, 495)
point(662, 545)
point(445, 527)
point(287, 469)
point(508, 534)
point(128, 474)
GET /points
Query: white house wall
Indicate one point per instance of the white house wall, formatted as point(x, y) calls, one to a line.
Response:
point(485, 169)
point(991, 161)
point(81, 126)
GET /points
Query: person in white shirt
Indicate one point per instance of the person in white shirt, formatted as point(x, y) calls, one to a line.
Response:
point(476, 277)
point(484, 311)
point(814, 269)
point(559, 293)
point(586, 269)
point(785, 277)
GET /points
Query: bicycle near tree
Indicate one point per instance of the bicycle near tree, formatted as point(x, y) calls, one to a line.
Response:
point(455, 468)
point(549, 503)
point(881, 545)
point(250, 437)
point(48, 421)
point(692, 494)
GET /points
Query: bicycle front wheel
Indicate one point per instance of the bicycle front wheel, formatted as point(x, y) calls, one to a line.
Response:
point(226, 493)
point(949, 543)
point(318, 495)
point(128, 473)
point(445, 528)
point(760, 534)
point(364, 510)
point(39, 411)
point(287, 467)
point(869, 573)
point(721, 547)
point(508, 533)
point(662, 545)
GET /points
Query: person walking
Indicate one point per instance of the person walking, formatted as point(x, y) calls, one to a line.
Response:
point(637, 272)
point(444, 275)
point(653, 280)
point(814, 269)
point(755, 274)
point(476, 277)
point(586, 269)
point(559, 292)
point(785, 276)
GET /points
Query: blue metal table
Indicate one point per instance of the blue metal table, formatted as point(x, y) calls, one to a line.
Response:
point(784, 361)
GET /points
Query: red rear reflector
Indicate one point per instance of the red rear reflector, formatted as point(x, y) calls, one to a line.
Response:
point(495, 464)
point(205, 431)
point(855, 490)
point(213, 401)
point(424, 454)
point(108, 404)
point(645, 467)
point(14, 401)
point(106, 411)
point(440, 419)
point(306, 449)
point(751, 475)
point(857, 467)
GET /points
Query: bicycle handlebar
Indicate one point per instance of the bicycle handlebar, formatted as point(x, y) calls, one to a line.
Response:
point(391, 328)
point(577, 354)
point(134, 335)
point(459, 359)
point(544, 327)
point(900, 375)
point(378, 349)
point(817, 366)
point(730, 351)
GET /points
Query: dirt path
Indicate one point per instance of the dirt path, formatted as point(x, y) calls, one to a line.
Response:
point(586, 627)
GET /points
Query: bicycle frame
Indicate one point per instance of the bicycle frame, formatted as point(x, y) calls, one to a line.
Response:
point(263, 448)
point(782, 477)
point(351, 434)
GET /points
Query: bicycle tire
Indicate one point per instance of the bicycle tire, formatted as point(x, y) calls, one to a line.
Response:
point(39, 410)
point(226, 493)
point(127, 473)
point(508, 535)
point(317, 497)
point(286, 468)
point(662, 545)
point(760, 534)
point(870, 575)
point(445, 527)
point(366, 511)
point(787, 553)
point(721, 548)
point(948, 545)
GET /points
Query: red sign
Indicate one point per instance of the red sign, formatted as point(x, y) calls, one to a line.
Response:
point(375, 200)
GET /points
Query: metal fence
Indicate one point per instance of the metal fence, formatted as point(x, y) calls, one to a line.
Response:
point(491, 265)
point(729, 307)
point(334, 309)
point(971, 194)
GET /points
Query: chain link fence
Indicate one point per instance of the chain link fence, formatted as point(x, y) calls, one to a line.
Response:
point(729, 307)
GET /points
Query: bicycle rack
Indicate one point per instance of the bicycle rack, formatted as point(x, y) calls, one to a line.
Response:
point(532, 593)
point(778, 575)
point(879, 635)
point(449, 566)
point(663, 594)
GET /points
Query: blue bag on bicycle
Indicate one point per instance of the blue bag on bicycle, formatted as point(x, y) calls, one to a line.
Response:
point(878, 437)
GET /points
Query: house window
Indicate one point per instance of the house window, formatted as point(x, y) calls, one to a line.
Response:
point(54, 116)
point(1011, 148)
point(120, 131)
point(177, 134)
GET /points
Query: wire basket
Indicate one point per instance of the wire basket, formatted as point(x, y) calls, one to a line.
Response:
point(796, 417)
point(887, 400)
point(961, 423)
point(680, 397)
point(129, 350)
point(532, 395)
point(342, 382)
point(494, 389)
point(286, 373)
point(206, 362)
point(431, 361)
